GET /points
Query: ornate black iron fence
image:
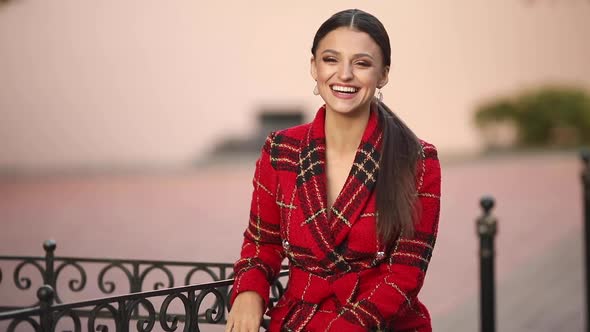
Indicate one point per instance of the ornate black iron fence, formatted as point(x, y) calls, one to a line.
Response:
point(51, 268)
point(49, 310)
point(118, 312)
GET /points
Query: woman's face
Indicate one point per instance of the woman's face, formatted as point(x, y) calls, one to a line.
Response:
point(348, 67)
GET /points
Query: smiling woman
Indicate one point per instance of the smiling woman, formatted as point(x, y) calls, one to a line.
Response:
point(348, 68)
point(352, 199)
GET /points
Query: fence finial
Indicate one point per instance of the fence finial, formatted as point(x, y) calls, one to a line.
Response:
point(49, 245)
point(45, 294)
point(487, 204)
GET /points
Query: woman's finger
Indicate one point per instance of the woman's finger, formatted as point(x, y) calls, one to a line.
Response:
point(242, 326)
point(229, 325)
point(253, 327)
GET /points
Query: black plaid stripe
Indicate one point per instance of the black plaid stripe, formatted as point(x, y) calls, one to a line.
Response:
point(339, 261)
point(311, 165)
point(246, 264)
point(299, 315)
point(268, 143)
point(350, 206)
point(283, 151)
point(301, 250)
point(368, 157)
point(366, 314)
point(416, 252)
point(429, 152)
point(360, 265)
point(333, 262)
point(353, 255)
point(268, 232)
point(312, 162)
point(305, 259)
point(358, 260)
point(347, 203)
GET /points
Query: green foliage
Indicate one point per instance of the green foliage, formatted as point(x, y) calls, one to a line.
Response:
point(551, 116)
point(496, 111)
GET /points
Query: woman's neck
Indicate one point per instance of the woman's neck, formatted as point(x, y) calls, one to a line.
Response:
point(345, 131)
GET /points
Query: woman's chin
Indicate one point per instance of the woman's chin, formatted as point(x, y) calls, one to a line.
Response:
point(347, 108)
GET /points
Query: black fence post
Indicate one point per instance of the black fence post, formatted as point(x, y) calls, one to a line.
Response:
point(45, 294)
point(487, 229)
point(49, 275)
point(586, 192)
point(135, 286)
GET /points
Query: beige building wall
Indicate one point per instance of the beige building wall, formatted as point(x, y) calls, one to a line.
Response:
point(154, 83)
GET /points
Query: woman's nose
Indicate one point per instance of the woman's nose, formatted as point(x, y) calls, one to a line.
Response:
point(345, 72)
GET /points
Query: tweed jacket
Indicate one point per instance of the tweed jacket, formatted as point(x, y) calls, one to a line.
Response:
point(342, 278)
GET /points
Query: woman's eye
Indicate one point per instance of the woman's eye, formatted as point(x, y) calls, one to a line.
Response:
point(363, 64)
point(329, 59)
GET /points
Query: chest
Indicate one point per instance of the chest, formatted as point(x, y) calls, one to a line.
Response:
point(337, 170)
point(326, 208)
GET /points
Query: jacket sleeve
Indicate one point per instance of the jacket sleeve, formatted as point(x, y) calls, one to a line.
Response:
point(261, 254)
point(403, 273)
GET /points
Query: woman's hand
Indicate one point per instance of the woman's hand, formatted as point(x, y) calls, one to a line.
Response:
point(246, 313)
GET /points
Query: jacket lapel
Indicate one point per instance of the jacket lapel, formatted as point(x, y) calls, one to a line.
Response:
point(328, 233)
point(312, 190)
point(360, 184)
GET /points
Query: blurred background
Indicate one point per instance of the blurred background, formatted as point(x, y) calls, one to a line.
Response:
point(129, 129)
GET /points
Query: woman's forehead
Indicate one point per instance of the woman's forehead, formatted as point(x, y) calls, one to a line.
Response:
point(349, 41)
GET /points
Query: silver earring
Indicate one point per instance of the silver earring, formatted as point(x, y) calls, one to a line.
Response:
point(379, 95)
point(316, 91)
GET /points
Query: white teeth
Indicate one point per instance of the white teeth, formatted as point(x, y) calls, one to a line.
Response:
point(344, 89)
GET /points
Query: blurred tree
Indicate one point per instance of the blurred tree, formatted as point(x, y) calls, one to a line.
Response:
point(549, 116)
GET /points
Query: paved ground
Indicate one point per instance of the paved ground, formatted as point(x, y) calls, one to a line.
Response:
point(544, 294)
point(200, 216)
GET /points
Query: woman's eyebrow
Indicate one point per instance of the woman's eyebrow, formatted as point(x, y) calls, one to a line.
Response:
point(330, 51)
point(358, 55)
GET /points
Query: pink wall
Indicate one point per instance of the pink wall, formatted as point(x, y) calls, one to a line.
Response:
point(152, 83)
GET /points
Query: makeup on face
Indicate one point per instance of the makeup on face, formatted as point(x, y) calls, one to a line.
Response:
point(347, 68)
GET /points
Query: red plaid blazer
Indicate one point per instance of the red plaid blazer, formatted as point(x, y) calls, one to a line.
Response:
point(341, 277)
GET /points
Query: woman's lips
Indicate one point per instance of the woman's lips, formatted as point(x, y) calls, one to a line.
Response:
point(344, 92)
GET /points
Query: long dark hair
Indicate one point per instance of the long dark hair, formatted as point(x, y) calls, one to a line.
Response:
point(396, 185)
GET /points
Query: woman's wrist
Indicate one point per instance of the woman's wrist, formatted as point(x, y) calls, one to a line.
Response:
point(252, 297)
